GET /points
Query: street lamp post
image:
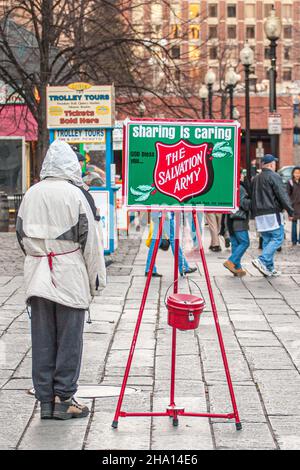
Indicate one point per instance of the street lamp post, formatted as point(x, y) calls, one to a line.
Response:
point(203, 94)
point(247, 57)
point(210, 79)
point(231, 79)
point(273, 29)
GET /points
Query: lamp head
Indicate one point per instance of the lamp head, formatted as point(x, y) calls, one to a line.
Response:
point(247, 55)
point(210, 77)
point(203, 92)
point(272, 26)
point(231, 78)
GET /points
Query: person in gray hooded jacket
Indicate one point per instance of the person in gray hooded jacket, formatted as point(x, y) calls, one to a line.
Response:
point(64, 258)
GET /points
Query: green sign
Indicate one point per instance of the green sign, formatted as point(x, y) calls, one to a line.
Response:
point(182, 164)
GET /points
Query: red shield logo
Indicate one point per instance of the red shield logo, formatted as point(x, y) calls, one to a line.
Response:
point(181, 169)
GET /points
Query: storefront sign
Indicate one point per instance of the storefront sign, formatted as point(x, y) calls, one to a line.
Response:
point(182, 164)
point(80, 105)
point(78, 136)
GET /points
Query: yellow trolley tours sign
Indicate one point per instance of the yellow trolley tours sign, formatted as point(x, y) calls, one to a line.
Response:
point(80, 106)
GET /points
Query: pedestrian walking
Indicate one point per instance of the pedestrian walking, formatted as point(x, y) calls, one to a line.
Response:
point(64, 263)
point(214, 224)
point(238, 228)
point(269, 199)
point(293, 188)
point(169, 231)
point(189, 216)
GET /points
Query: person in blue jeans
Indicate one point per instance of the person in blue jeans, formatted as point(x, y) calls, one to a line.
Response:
point(190, 219)
point(238, 228)
point(169, 231)
point(271, 241)
point(269, 200)
point(293, 189)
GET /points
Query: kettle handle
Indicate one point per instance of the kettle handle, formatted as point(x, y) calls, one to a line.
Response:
point(190, 280)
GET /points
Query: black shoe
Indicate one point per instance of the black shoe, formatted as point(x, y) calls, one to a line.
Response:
point(227, 242)
point(68, 409)
point(189, 271)
point(279, 249)
point(154, 275)
point(216, 248)
point(47, 410)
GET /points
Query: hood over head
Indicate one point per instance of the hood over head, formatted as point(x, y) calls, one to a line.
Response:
point(61, 162)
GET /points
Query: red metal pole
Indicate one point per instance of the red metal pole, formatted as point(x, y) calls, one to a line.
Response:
point(216, 318)
point(138, 323)
point(175, 290)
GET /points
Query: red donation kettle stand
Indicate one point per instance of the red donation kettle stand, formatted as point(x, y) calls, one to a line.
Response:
point(184, 312)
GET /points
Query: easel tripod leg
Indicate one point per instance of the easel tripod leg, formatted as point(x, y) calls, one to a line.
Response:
point(218, 328)
point(138, 323)
point(175, 290)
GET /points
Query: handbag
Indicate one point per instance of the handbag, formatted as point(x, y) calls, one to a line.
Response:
point(164, 244)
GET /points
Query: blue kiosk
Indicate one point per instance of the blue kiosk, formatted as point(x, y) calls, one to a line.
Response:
point(80, 103)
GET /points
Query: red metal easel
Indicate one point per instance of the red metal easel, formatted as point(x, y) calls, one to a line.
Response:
point(172, 410)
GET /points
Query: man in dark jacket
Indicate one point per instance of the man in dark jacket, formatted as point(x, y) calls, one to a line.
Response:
point(238, 227)
point(269, 200)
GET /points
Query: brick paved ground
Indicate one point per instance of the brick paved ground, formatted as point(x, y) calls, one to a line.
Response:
point(261, 328)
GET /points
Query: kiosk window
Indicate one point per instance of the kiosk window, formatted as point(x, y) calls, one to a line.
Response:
point(11, 165)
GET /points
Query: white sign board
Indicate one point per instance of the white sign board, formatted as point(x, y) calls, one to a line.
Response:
point(79, 106)
point(101, 199)
point(274, 124)
point(78, 136)
point(122, 219)
point(118, 135)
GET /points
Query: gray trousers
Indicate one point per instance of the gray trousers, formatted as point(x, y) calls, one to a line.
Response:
point(57, 337)
point(214, 225)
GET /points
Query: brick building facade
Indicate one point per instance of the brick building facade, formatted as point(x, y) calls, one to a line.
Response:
point(207, 34)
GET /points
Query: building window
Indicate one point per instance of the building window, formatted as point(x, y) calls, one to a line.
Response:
point(231, 32)
point(287, 53)
point(267, 53)
point(287, 32)
point(213, 10)
point(287, 12)
point(250, 10)
point(213, 32)
point(194, 53)
point(250, 32)
point(194, 32)
point(194, 11)
point(175, 31)
point(213, 53)
point(267, 73)
point(177, 75)
point(175, 52)
point(138, 14)
point(156, 13)
point(231, 11)
point(267, 9)
point(287, 75)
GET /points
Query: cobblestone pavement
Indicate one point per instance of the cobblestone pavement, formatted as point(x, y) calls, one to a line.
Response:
point(261, 329)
